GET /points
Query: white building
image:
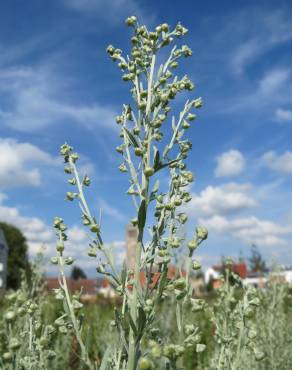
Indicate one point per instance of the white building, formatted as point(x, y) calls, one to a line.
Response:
point(211, 274)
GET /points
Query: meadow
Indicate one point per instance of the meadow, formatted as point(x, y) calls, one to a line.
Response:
point(161, 324)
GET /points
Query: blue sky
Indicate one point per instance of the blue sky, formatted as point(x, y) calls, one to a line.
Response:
point(57, 84)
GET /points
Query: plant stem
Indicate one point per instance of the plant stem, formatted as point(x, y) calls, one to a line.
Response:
point(84, 354)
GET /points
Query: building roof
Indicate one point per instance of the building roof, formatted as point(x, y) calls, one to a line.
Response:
point(238, 268)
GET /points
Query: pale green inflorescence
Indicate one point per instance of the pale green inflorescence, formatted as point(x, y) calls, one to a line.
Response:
point(153, 140)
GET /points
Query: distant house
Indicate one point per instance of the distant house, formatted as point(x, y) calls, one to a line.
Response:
point(89, 287)
point(212, 274)
point(256, 279)
point(283, 275)
point(3, 260)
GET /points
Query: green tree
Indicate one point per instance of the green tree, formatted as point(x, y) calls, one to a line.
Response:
point(17, 255)
point(256, 261)
point(77, 273)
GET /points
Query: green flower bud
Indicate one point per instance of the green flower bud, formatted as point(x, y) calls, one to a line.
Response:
point(63, 329)
point(183, 218)
point(70, 196)
point(119, 119)
point(119, 149)
point(180, 284)
point(60, 247)
point(249, 312)
point(123, 168)
point(91, 252)
point(198, 103)
point(65, 150)
point(110, 50)
point(134, 221)
point(145, 364)
point(197, 304)
point(149, 302)
point(57, 222)
point(54, 260)
point(68, 170)
point(259, 355)
point(100, 269)
point(138, 151)
point(72, 181)
point(196, 265)
point(131, 21)
point(9, 316)
point(193, 244)
point(136, 130)
point(162, 252)
point(76, 304)
point(173, 65)
point(86, 180)
point(165, 27)
point(14, 343)
point(185, 125)
point(7, 356)
point(191, 117)
point(149, 171)
point(177, 202)
point(200, 348)
point(202, 233)
point(68, 261)
point(156, 351)
point(252, 333)
point(74, 157)
point(174, 242)
point(20, 311)
point(95, 228)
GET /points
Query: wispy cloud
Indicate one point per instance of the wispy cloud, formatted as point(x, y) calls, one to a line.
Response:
point(113, 11)
point(34, 99)
point(273, 29)
point(273, 81)
point(284, 115)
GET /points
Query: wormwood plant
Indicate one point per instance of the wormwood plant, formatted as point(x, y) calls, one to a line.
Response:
point(233, 316)
point(25, 340)
point(153, 145)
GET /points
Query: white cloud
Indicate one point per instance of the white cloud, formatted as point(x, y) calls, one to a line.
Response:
point(249, 230)
point(16, 161)
point(114, 11)
point(281, 163)
point(35, 230)
point(224, 199)
point(273, 81)
point(39, 234)
point(35, 99)
point(284, 115)
point(230, 163)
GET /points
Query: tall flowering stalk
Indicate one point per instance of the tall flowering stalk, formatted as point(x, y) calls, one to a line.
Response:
point(153, 143)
